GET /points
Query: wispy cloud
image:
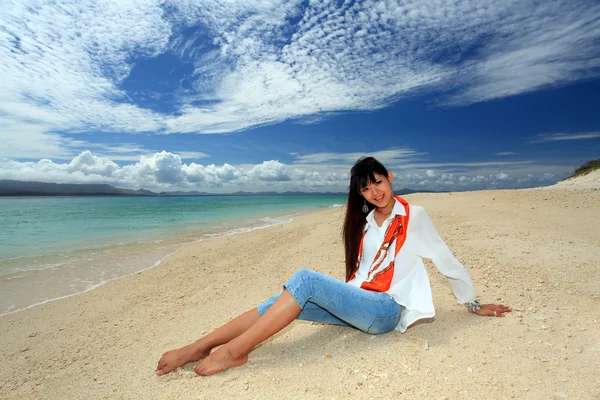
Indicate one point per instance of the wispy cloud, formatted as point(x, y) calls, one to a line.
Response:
point(506, 153)
point(392, 156)
point(262, 62)
point(135, 156)
point(553, 137)
point(534, 47)
point(35, 141)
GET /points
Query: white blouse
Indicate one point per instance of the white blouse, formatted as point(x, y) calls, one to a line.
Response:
point(410, 285)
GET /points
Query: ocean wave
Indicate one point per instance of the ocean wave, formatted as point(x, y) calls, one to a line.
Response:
point(265, 222)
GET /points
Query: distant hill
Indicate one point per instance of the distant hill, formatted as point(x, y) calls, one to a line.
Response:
point(180, 193)
point(585, 169)
point(30, 188)
point(288, 193)
point(402, 192)
point(585, 177)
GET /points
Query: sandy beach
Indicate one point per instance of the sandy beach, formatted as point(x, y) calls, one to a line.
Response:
point(537, 250)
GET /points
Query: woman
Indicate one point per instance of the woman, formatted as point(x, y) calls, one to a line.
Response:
point(386, 284)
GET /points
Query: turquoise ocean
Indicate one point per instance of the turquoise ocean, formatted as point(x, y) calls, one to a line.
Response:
point(55, 247)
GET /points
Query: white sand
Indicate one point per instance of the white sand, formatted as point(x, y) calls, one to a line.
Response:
point(587, 181)
point(535, 250)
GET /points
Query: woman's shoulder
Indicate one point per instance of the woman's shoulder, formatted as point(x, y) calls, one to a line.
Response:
point(415, 210)
point(419, 216)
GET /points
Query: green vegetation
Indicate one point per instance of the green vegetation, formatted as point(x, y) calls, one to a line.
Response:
point(586, 168)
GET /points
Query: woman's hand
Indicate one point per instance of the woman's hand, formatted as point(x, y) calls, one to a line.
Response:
point(493, 310)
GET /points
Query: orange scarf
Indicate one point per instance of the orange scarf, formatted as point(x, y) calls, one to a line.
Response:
point(380, 276)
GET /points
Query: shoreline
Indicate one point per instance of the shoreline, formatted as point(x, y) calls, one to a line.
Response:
point(533, 250)
point(250, 224)
point(156, 264)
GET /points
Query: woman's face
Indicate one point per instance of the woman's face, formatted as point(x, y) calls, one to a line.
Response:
point(379, 193)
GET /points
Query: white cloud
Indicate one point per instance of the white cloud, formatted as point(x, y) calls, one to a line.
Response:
point(501, 176)
point(33, 141)
point(535, 46)
point(63, 65)
point(227, 172)
point(89, 164)
point(186, 155)
point(506, 153)
point(270, 171)
point(392, 156)
point(211, 175)
point(474, 181)
point(162, 168)
point(553, 137)
point(166, 171)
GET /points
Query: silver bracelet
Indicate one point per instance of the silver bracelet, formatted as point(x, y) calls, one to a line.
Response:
point(473, 306)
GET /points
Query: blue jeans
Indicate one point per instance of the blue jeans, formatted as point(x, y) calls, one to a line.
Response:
point(328, 300)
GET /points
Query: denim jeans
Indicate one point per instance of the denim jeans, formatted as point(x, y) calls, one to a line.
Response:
point(328, 300)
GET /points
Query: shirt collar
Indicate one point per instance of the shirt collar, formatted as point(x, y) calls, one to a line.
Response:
point(397, 210)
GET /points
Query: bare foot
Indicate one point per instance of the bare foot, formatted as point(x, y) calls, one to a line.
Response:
point(178, 357)
point(220, 360)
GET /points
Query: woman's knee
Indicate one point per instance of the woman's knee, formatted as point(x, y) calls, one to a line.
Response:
point(264, 306)
point(302, 275)
point(300, 285)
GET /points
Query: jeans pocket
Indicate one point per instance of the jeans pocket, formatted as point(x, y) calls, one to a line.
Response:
point(383, 325)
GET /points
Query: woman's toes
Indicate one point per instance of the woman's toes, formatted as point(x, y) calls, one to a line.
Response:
point(164, 370)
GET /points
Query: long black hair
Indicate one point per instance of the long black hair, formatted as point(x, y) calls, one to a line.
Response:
point(361, 174)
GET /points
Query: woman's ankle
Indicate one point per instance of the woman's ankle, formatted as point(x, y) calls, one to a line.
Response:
point(236, 349)
point(199, 350)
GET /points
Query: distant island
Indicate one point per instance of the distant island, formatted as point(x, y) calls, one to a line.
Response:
point(30, 188)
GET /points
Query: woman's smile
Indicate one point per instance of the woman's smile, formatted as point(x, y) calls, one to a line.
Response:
point(379, 192)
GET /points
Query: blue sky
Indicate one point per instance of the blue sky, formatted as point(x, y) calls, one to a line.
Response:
point(221, 96)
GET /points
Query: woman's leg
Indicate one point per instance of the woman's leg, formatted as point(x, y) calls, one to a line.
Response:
point(325, 299)
point(310, 312)
point(368, 311)
point(235, 352)
point(202, 347)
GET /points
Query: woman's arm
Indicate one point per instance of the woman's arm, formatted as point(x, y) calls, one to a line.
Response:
point(431, 245)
